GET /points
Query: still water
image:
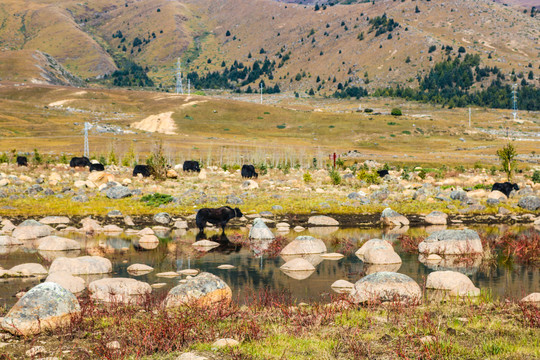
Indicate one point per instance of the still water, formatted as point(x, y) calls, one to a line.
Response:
point(257, 265)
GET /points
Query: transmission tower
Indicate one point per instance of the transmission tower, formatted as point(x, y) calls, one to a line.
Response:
point(87, 127)
point(189, 86)
point(261, 91)
point(179, 86)
point(514, 95)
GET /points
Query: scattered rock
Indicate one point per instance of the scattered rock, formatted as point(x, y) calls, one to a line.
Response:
point(82, 265)
point(259, 231)
point(393, 218)
point(222, 343)
point(203, 289)
point(191, 356)
point(456, 283)
point(451, 242)
point(90, 225)
point(226, 267)
point(532, 298)
point(304, 245)
point(297, 264)
point(29, 269)
point(31, 229)
point(57, 243)
point(118, 192)
point(373, 243)
point(9, 241)
point(437, 218)
point(322, 220)
point(45, 306)
point(381, 255)
point(54, 220)
point(531, 203)
point(36, 350)
point(386, 286)
point(139, 269)
point(116, 290)
point(69, 282)
point(332, 256)
point(162, 218)
point(342, 286)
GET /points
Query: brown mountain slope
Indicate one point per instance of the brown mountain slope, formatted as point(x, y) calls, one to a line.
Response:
point(324, 43)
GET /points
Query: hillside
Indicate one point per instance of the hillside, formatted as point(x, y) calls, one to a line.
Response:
point(306, 48)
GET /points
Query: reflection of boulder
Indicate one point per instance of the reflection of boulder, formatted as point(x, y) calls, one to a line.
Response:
point(298, 268)
point(466, 265)
point(118, 243)
point(433, 228)
point(69, 282)
point(313, 259)
point(146, 242)
point(304, 245)
point(373, 268)
point(392, 233)
point(332, 256)
point(204, 245)
point(386, 286)
point(259, 246)
point(4, 250)
point(52, 255)
point(260, 231)
point(323, 230)
point(139, 269)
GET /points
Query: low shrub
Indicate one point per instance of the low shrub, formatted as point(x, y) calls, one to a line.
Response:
point(156, 199)
point(370, 177)
point(396, 112)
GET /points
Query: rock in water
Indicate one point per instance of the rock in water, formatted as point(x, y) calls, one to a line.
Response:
point(82, 265)
point(386, 286)
point(57, 243)
point(393, 218)
point(259, 231)
point(204, 289)
point(69, 282)
point(436, 218)
point(116, 290)
point(45, 306)
point(31, 229)
point(373, 243)
point(456, 283)
point(321, 220)
point(303, 245)
point(451, 242)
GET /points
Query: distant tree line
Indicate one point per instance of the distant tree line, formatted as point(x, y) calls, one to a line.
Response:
point(130, 74)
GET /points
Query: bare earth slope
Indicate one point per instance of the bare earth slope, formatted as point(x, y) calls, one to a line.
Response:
point(84, 37)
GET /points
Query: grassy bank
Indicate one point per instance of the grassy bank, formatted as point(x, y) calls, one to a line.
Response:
point(273, 326)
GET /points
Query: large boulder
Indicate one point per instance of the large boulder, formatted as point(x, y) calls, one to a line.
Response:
point(69, 282)
point(322, 220)
point(372, 243)
point(57, 243)
point(139, 269)
point(304, 245)
point(381, 255)
point(436, 218)
point(386, 286)
point(204, 289)
point(531, 203)
point(100, 177)
point(31, 229)
point(45, 306)
point(497, 195)
point(259, 231)
point(117, 290)
point(82, 265)
point(455, 283)
point(90, 225)
point(451, 242)
point(393, 218)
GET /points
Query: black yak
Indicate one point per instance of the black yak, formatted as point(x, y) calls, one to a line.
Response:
point(191, 165)
point(80, 162)
point(505, 187)
point(97, 167)
point(22, 161)
point(248, 171)
point(382, 173)
point(144, 170)
point(219, 216)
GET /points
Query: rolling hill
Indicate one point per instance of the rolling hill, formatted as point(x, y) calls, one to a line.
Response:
point(308, 49)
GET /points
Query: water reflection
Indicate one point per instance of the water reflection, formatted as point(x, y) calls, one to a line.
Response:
point(257, 262)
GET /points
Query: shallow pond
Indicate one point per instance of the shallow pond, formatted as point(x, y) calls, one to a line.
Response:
point(257, 267)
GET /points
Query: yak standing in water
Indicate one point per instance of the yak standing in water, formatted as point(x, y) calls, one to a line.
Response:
point(219, 216)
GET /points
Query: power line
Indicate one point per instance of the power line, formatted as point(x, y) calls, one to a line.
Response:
point(87, 127)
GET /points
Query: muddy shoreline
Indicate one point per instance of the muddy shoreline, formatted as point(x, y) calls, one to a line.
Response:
point(345, 220)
